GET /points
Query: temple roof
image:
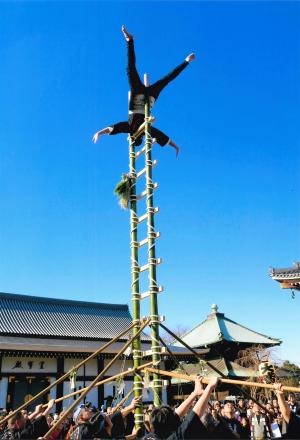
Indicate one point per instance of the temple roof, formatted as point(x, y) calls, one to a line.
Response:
point(286, 273)
point(217, 328)
point(22, 315)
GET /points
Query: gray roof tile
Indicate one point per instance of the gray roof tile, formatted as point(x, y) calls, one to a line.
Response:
point(37, 316)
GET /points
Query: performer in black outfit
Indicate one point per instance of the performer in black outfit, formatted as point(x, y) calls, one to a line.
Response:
point(138, 93)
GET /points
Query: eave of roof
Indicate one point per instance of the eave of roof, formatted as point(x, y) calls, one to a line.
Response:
point(288, 272)
point(215, 330)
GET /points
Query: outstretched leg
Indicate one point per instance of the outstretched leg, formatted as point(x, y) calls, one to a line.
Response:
point(132, 73)
point(156, 88)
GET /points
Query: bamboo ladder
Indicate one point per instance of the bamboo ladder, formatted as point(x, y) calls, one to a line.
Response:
point(136, 245)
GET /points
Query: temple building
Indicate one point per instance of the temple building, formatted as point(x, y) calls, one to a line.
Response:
point(43, 338)
point(288, 278)
point(224, 338)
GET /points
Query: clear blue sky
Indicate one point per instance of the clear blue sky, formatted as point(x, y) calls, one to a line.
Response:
point(229, 205)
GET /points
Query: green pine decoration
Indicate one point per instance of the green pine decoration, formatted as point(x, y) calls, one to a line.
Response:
point(72, 378)
point(122, 190)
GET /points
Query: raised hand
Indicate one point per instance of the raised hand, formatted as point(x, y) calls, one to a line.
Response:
point(278, 388)
point(96, 137)
point(213, 382)
point(198, 386)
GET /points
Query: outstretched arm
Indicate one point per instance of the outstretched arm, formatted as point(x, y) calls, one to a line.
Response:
point(106, 130)
point(172, 144)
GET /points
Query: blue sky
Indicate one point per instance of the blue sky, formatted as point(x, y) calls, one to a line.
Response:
point(229, 205)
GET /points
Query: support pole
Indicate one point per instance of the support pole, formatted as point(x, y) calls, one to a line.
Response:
point(103, 382)
point(153, 287)
point(66, 375)
point(135, 287)
point(191, 378)
point(93, 383)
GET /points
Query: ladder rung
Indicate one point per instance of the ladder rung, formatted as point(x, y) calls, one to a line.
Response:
point(141, 128)
point(144, 193)
point(144, 216)
point(146, 266)
point(145, 241)
point(147, 353)
point(146, 294)
point(140, 152)
point(143, 171)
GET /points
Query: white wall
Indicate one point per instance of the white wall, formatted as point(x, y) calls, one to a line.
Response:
point(90, 366)
point(92, 396)
point(8, 363)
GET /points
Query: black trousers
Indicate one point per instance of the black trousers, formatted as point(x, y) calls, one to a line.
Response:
point(136, 88)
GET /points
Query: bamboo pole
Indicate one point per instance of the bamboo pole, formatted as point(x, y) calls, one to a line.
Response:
point(102, 382)
point(93, 383)
point(66, 375)
point(222, 380)
point(116, 408)
point(135, 286)
point(153, 288)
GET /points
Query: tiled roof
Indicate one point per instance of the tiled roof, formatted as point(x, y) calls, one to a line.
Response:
point(218, 328)
point(36, 316)
point(286, 273)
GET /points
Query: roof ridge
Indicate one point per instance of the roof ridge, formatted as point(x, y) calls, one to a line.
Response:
point(47, 300)
point(220, 334)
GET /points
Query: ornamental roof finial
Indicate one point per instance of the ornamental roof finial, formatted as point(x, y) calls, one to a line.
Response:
point(214, 308)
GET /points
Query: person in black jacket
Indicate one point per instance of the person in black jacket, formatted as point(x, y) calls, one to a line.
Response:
point(90, 423)
point(32, 427)
point(138, 94)
point(168, 424)
point(292, 420)
point(229, 427)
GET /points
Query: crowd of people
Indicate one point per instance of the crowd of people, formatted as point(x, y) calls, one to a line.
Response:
point(197, 417)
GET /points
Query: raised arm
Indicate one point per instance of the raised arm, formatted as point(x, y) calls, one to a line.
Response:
point(183, 409)
point(134, 403)
point(38, 410)
point(49, 407)
point(201, 405)
point(283, 405)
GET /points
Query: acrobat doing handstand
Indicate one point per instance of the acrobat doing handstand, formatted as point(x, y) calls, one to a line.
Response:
point(138, 94)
